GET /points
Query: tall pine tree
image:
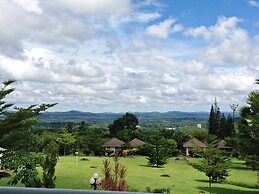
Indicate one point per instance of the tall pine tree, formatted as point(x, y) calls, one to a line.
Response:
point(222, 126)
point(214, 119)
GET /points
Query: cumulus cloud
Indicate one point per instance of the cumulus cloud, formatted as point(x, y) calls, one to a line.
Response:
point(162, 29)
point(253, 3)
point(92, 6)
point(224, 28)
point(30, 5)
point(164, 81)
point(21, 22)
point(94, 56)
point(227, 44)
point(146, 17)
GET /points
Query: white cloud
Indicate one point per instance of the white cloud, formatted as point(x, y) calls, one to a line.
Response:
point(253, 3)
point(146, 17)
point(95, 57)
point(18, 25)
point(227, 44)
point(161, 30)
point(30, 5)
point(177, 28)
point(92, 6)
point(225, 28)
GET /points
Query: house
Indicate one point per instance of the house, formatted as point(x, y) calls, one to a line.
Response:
point(113, 145)
point(224, 146)
point(136, 143)
point(193, 143)
point(1, 150)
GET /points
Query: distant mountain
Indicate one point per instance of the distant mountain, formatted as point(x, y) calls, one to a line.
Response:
point(148, 119)
point(104, 117)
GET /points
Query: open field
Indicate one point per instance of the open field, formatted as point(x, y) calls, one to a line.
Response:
point(183, 178)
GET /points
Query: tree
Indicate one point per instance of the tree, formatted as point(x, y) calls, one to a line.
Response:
point(248, 131)
point(214, 119)
point(180, 137)
point(17, 135)
point(124, 127)
point(91, 141)
point(66, 140)
point(233, 107)
point(215, 163)
point(222, 126)
point(48, 163)
point(158, 150)
point(230, 131)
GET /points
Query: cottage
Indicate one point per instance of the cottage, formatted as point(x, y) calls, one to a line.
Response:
point(113, 145)
point(1, 150)
point(193, 143)
point(224, 146)
point(136, 143)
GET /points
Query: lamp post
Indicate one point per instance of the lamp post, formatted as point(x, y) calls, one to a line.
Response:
point(76, 154)
point(95, 181)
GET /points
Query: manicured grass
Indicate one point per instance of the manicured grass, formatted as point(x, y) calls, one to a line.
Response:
point(183, 178)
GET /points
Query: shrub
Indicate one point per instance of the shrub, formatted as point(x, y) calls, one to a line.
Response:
point(158, 190)
point(114, 181)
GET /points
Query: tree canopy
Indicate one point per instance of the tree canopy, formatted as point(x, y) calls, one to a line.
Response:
point(248, 130)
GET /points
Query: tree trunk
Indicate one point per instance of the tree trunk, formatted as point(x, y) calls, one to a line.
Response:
point(210, 183)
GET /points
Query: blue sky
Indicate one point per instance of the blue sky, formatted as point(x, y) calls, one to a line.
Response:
point(125, 55)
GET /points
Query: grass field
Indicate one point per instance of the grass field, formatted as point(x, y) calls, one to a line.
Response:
point(183, 178)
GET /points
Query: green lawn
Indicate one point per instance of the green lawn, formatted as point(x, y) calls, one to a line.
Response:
point(183, 178)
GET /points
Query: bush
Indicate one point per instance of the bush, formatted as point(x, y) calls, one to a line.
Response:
point(158, 190)
point(126, 153)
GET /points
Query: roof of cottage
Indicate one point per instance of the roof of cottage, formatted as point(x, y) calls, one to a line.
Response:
point(194, 143)
point(223, 145)
point(114, 142)
point(135, 143)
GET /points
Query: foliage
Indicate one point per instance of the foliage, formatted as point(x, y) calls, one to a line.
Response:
point(158, 190)
point(215, 163)
point(219, 125)
point(159, 150)
point(124, 127)
point(66, 140)
point(48, 164)
point(114, 181)
point(248, 133)
point(17, 135)
point(24, 165)
point(91, 139)
point(180, 137)
point(214, 119)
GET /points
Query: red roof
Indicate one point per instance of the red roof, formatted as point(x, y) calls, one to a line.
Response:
point(114, 142)
point(194, 143)
point(135, 143)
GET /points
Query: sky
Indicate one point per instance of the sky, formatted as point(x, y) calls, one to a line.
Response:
point(130, 55)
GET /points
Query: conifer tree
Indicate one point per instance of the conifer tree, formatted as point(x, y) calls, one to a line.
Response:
point(214, 119)
point(222, 126)
point(230, 127)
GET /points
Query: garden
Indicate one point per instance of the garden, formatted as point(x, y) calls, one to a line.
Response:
point(176, 175)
